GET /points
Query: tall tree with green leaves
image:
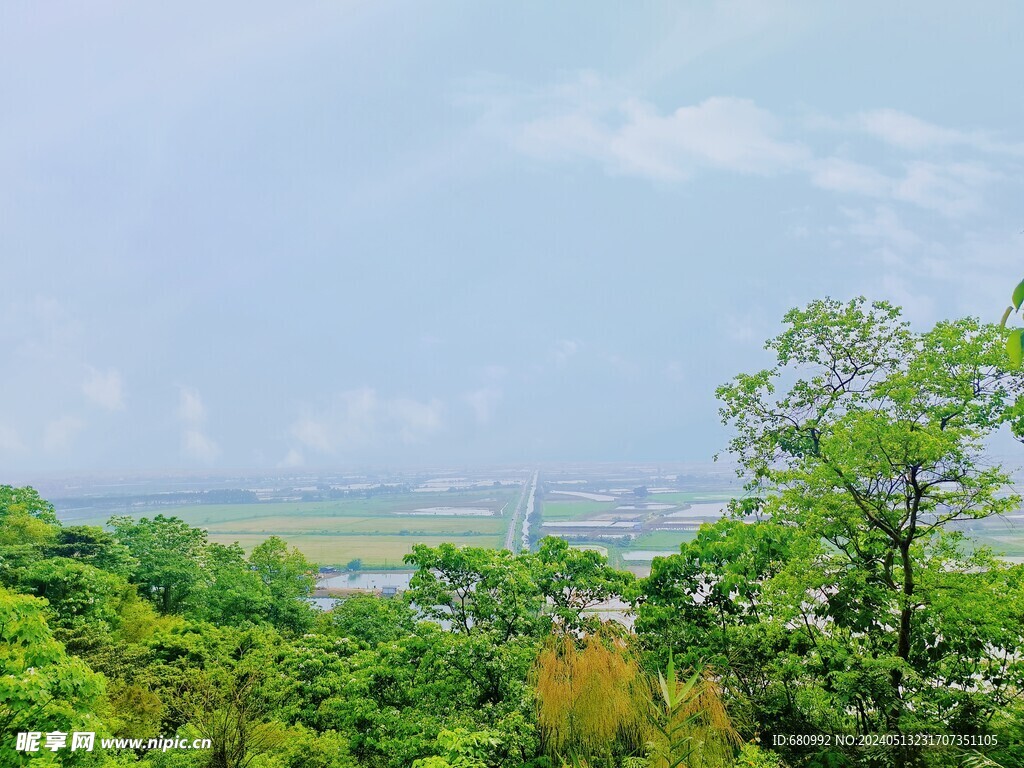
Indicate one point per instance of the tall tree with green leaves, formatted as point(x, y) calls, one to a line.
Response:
point(42, 688)
point(867, 439)
point(477, 590)
point(170, 557)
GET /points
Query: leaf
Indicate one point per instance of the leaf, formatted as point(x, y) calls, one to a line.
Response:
point(1018, 295)
point(1014, 349)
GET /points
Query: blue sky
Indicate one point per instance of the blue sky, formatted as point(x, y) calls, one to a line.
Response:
point(332, 234)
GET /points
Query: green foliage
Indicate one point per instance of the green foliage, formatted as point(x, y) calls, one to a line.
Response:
point(870, 458)
point(230, 591)
point(690, 724)
point(287, 576)
point(476, 590)
point(82, 600)
point(93, 546)
point(169, 554)
point(368, 620)
point(28, 525)
point(461, 749)
point(572, 580)
point(25, 502)
point(753, 756)
point(42, 688)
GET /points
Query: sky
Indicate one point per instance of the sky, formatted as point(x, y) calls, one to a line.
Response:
point(331, 234)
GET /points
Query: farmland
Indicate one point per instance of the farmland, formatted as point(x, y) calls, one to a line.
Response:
point(378, 530)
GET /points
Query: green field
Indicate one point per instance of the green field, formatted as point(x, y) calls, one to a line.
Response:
point(378, 530)
point(290, 525)
point(376, 551)
point(667, 540)
point(571, 510)
point(688, 497)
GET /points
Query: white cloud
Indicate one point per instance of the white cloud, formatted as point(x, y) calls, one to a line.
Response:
point(592, 120)
point(195, 442)
point(41, 329)
point(10, 441)
point(292, 459)
point(414, 420)
point(565, 349)
point(633, 138)
point(839, 175)
point(905, 131)
point(59, 434)
point(314, 434)
point(360, 418)
point(190, 406)
point(882, 226)
point(483, 402)
point(952, 189)
point(197, 445)
point(104, 389)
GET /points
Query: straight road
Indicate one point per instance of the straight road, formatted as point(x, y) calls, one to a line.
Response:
point(521, 516)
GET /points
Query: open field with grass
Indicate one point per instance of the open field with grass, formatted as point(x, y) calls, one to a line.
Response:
point(687, 497)
point(376, 551)
point(662, 540)
point(379, 530)
point(573, 510)
point(291, 525)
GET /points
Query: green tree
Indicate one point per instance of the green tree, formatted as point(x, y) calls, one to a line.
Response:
point(170, 557)
point(476, 590)
point(230, 591)
point(42, 688)
point(707, 604)
point(28, 524)
point(82, 601)
point(288, 577)
point(573, 580)
point(92, 545)
point(368, 620)
point(871, 454)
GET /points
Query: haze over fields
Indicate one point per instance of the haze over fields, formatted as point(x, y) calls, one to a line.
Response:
point(332, 234)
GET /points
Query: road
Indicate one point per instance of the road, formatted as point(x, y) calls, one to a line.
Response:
point(522, 513)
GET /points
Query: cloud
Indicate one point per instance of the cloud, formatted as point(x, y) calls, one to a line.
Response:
point(675, 372)
point(951, 189)
point(361, 418)
point(190, 406)
point(592, 120)
point(41, 329)
point(633, 138)
point(195, 442)
point(104, 389)
point(59, 434)
point(197, 445)
point(839, 175)
point(564, 350)
point(292, 459)
point(483, 402)
point(10, 441)
point(313, 434)
point(882, 226)
point(905, 131)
